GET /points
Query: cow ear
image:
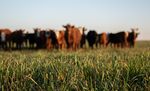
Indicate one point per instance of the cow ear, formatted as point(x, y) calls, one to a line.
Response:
point(137, 34)
point(132, 29)
point(64, 26)
point(59, 31)
point(72, 26)
point(84, 29)
point(137, 29)
point(23, 30)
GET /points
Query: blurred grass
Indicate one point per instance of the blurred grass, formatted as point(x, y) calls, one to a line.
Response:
point(100, 69)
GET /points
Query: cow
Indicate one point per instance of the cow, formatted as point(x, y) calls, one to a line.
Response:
point(83, 37)
point(43, 39)
point(40, 37)
point(2, 40)
point(61, 39)
point(51, 41)
point(72, 36)
point(31, 39)
point(92, 38)
point(5, 38)
point(37, 38)
point(118, 39)
point(17, 37)
point(132, 37)
point(103, 39)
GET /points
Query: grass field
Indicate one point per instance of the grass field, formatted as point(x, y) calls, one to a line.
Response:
point(104, 69)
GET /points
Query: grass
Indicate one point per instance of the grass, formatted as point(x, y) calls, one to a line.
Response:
point(104, 69)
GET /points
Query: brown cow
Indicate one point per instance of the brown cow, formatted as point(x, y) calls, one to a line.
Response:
point(61, 39)
point(48, 44)
point(51, 41)
point(102, 39)
point(5, 35)
point(72, 37)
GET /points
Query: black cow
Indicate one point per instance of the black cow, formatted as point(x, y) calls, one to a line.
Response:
point(132, 37)
point(118, 39)
point(83, 37)
point(40, 36)
point(17, 37)
point(92, 38)
point(31, 39)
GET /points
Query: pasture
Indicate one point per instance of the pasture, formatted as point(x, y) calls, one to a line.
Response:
point(103, 69)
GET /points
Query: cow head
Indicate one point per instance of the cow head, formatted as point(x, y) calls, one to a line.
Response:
point(69, 28)
point(20, 31)
point(37, 31)
point(135, 33)
point(82, 30)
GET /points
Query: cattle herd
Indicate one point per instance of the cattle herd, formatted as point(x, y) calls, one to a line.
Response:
point(71, 38)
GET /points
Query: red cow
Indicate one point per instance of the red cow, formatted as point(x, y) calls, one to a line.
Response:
point(5, 35)
point(72, 36)
point(51, 41)
point(61, 39)
point(102, 39)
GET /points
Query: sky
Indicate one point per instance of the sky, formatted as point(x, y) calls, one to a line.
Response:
point(100, 15)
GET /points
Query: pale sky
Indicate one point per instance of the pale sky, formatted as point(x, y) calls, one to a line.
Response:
point(101, 15)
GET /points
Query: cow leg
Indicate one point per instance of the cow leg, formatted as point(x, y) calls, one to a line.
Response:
point(122, 45)
point(74, 46)
point(20, 46)
point(3, 45)
point(17, 46)
point(7, 45)
point(107, 43)
point(96, 45)
point(115, 45)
